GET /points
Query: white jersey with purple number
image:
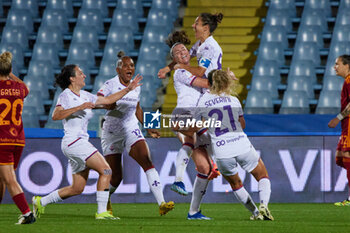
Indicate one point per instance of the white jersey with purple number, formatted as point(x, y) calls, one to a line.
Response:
point(75, 125)
point(124, 113)
point(209, 54)
point(228, 140)
point(187, 95)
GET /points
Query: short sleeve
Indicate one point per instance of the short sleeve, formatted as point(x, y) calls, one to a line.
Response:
point(207, 54)
point(63, 101)
point(184, 77)
point(106, 89)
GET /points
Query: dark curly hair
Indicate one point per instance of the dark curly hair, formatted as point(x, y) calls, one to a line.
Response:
point(63, 79)
point(178, 37)
point(212, 20)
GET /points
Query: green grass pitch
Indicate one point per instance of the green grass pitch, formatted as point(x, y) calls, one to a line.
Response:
point(60, 218)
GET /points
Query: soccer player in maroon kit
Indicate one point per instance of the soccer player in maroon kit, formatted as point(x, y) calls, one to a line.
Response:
point(342, 155)
point(12, 93)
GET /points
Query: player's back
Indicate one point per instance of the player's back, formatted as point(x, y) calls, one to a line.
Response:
point(12, 95)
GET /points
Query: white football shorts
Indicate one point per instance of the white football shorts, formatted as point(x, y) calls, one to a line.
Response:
point(248, 161)
point(115, 144)
point(78, 151)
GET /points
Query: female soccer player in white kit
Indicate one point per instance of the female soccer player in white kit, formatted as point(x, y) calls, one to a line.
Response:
point(74, 109)
point(231, 145)
point(209, 56)
point(121, 130)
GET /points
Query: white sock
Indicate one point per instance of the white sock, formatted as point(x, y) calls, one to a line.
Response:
point(112, 189)
point(102, 199)
point(182, 159)
point(264, 186)
point(243, 196)
point(199, 188)
point(51, 198)
point(155, 185)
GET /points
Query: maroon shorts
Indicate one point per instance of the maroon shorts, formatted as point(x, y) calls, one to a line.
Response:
point(344, 140)
point(10, 155)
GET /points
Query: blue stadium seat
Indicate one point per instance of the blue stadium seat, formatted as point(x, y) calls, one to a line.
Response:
point(100, 80)
point(170, 5)
point(65, 5)
point(279, 17)
point(314, 17)
point(160, 17)
point(275, 34)
point(271, 51)
point(16, 50)
point(302, 68)
point(55, 17)
point(84, 66)
point(81, 51)
point(46, 52)
point(295, 102)
point(341, 33)
point(91, 18)
point(310, 33)
point(100, 5)
point(155, 34)
point(266, 83)
point(148, 68)
point(30, 118)
point(323, 5)
point(344, 4)
point(41, 68)
point(307, 51)
point(15, 34)
point(112, 49)
point(152, 52)
point(34, 99)
point(19, 17)
point(288, 5)
point(329, 102)
point(332, 83)
point(108, 68)
point(258, 102)
point(343, 17)
point(121, 34)
point(30, 5)
point(15, 69)
point(86, 34)
point(337, 49)
point(50, 35)
point(1, 10)
point(38, 83)
point(299, 83)
point(126, 17)
point(131, 4)
point(266, 68)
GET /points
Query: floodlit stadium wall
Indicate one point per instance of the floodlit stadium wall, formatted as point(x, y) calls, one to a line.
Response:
point(301, 168)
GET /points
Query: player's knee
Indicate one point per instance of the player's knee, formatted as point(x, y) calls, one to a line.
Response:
point(77, 190)
point(203, 168)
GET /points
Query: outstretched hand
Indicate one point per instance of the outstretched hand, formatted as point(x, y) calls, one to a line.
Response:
point(231, 74)
point(135, 83)
point(162, 72)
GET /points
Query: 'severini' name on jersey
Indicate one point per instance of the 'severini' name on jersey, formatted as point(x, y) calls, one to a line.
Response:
point(217, 100)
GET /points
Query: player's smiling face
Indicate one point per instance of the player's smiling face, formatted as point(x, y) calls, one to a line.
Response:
point(199, 28)
point(181, 54)
point(79, 78)
point(127, 70)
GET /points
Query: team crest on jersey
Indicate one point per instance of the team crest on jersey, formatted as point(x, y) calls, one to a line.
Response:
point(13, 132)
point(151, 120)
